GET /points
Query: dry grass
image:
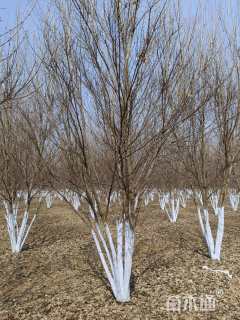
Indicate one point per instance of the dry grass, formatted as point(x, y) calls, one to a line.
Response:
point(58, 276)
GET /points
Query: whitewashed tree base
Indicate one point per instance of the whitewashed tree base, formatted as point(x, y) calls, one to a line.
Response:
point(234, 200)
point(17, 234)
point(172, 210)
point(163, 200)
point(49, 200)
point(214, 199)
point(198, 198)
point(117, 262)
point(214, 247)
point(182, 198)
point(75, 201)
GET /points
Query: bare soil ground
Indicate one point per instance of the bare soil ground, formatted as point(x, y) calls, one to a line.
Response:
point(59, 276)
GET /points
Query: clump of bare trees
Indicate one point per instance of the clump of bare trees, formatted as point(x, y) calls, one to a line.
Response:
point(125, 104)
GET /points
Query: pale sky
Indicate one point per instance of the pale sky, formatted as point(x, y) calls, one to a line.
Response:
point(10, 8)
point(209, 8)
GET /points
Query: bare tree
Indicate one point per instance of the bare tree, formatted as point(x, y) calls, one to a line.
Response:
point(118, 76)
point(209, 142)
point(15, 82)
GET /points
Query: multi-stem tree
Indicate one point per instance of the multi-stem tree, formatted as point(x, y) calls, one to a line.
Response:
point(16, 151)
point(209, 141)
point(117, 75)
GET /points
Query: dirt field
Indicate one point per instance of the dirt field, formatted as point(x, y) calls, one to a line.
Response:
point(57, 276)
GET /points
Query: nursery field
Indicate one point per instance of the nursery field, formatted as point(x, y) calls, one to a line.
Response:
point(56, 275)
point(119, 160)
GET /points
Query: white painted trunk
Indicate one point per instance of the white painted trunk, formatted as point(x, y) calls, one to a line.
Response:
point(75, 201)
point(146, 199)
point(183, 199)
point(198, 198)
point(172, 210)
point(214, 247)
point(17, 234)
point(151, 195)
point(116, 261)
point(49, 200)
point(214, 199)
point(234, 200)
point(163, 200)
point(162, 203)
